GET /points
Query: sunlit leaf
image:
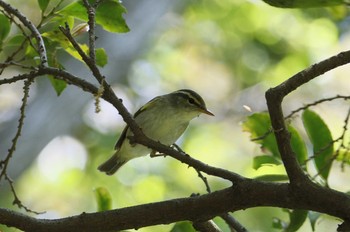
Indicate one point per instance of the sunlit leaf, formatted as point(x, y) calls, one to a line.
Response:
point(109, 14)
point(56, 36)
point(304, 3)
point(43, 4)
point(101, 57)
point(344, 155)
point(103, 199)
point(55, 22)
point(272, 177)
point(263, 160)
point(58, 85)
point(182, 227)
point(259, 125)
point(5, 27)
point(321, 139)
point(296, 219)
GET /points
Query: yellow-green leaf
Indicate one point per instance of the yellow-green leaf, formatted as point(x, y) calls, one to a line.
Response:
point(109, 14)
point(103, 199)
point(259, 125)
point(101, 57)
point(43, 4)
point(58, 85)
point(321, 139)
point(5, 27)
point(263, 160)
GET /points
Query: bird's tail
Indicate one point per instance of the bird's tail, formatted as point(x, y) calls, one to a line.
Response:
point(112, 165)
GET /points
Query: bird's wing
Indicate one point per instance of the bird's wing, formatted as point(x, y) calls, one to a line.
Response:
point(121, 139)
point(123, 135)
point(145, 106)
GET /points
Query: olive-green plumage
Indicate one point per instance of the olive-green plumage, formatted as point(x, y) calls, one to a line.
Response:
point(162, 119)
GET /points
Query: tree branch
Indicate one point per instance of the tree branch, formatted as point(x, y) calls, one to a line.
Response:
point(246, 194)
point(274, 98)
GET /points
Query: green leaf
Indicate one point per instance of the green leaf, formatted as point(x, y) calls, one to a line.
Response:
point(304, 3)
point(272, 177)
point(14, 43)
point(182, 227)
point(43, 4)
point(103, 199)
point(5, 27)
point(344, 155)
point(58, 85)
point(321, 139)
point(259, 125)
point(313, 217)
point(298, 145)
point(109, 15)
point(296, 219)
point(56, 36)
point(263, 160)
point(75, 9)
point(101, 57)
point(278, 224)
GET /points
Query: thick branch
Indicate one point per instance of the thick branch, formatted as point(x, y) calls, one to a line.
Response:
point(244, 195)
point(274, 98)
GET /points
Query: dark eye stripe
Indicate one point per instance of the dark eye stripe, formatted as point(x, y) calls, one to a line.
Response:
point(190, 94)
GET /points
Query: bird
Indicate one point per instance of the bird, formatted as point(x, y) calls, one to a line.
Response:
point(163, 119)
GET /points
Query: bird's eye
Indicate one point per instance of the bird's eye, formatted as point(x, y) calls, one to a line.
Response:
point(191, 101)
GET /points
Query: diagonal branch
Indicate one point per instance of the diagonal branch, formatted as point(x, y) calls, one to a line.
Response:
point(274, 98)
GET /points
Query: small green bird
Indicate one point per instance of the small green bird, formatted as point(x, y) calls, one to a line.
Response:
point(163, 119)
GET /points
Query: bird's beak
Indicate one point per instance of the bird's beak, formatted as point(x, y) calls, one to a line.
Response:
point(205, 111)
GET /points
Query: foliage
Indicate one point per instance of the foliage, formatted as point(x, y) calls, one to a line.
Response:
point(234, 44)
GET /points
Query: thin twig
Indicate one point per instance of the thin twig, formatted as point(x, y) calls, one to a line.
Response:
point(16, 200)
point(91, 21)
point(41, 46)
point(200, 175)
point(4, 163)
point(316, 103)
point(234, 225)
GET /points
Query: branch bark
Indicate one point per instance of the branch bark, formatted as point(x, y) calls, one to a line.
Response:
point(246, 194)
point(274, 98)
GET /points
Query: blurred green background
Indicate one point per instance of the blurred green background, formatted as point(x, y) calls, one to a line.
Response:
point(229, 51)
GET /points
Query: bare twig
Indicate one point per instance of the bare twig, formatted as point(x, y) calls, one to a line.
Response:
point(206, 226)
point(316, 103)
point(234, 225)
point(4, 163)
point(200, 175)
point(16, 200)
point(91, 21)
